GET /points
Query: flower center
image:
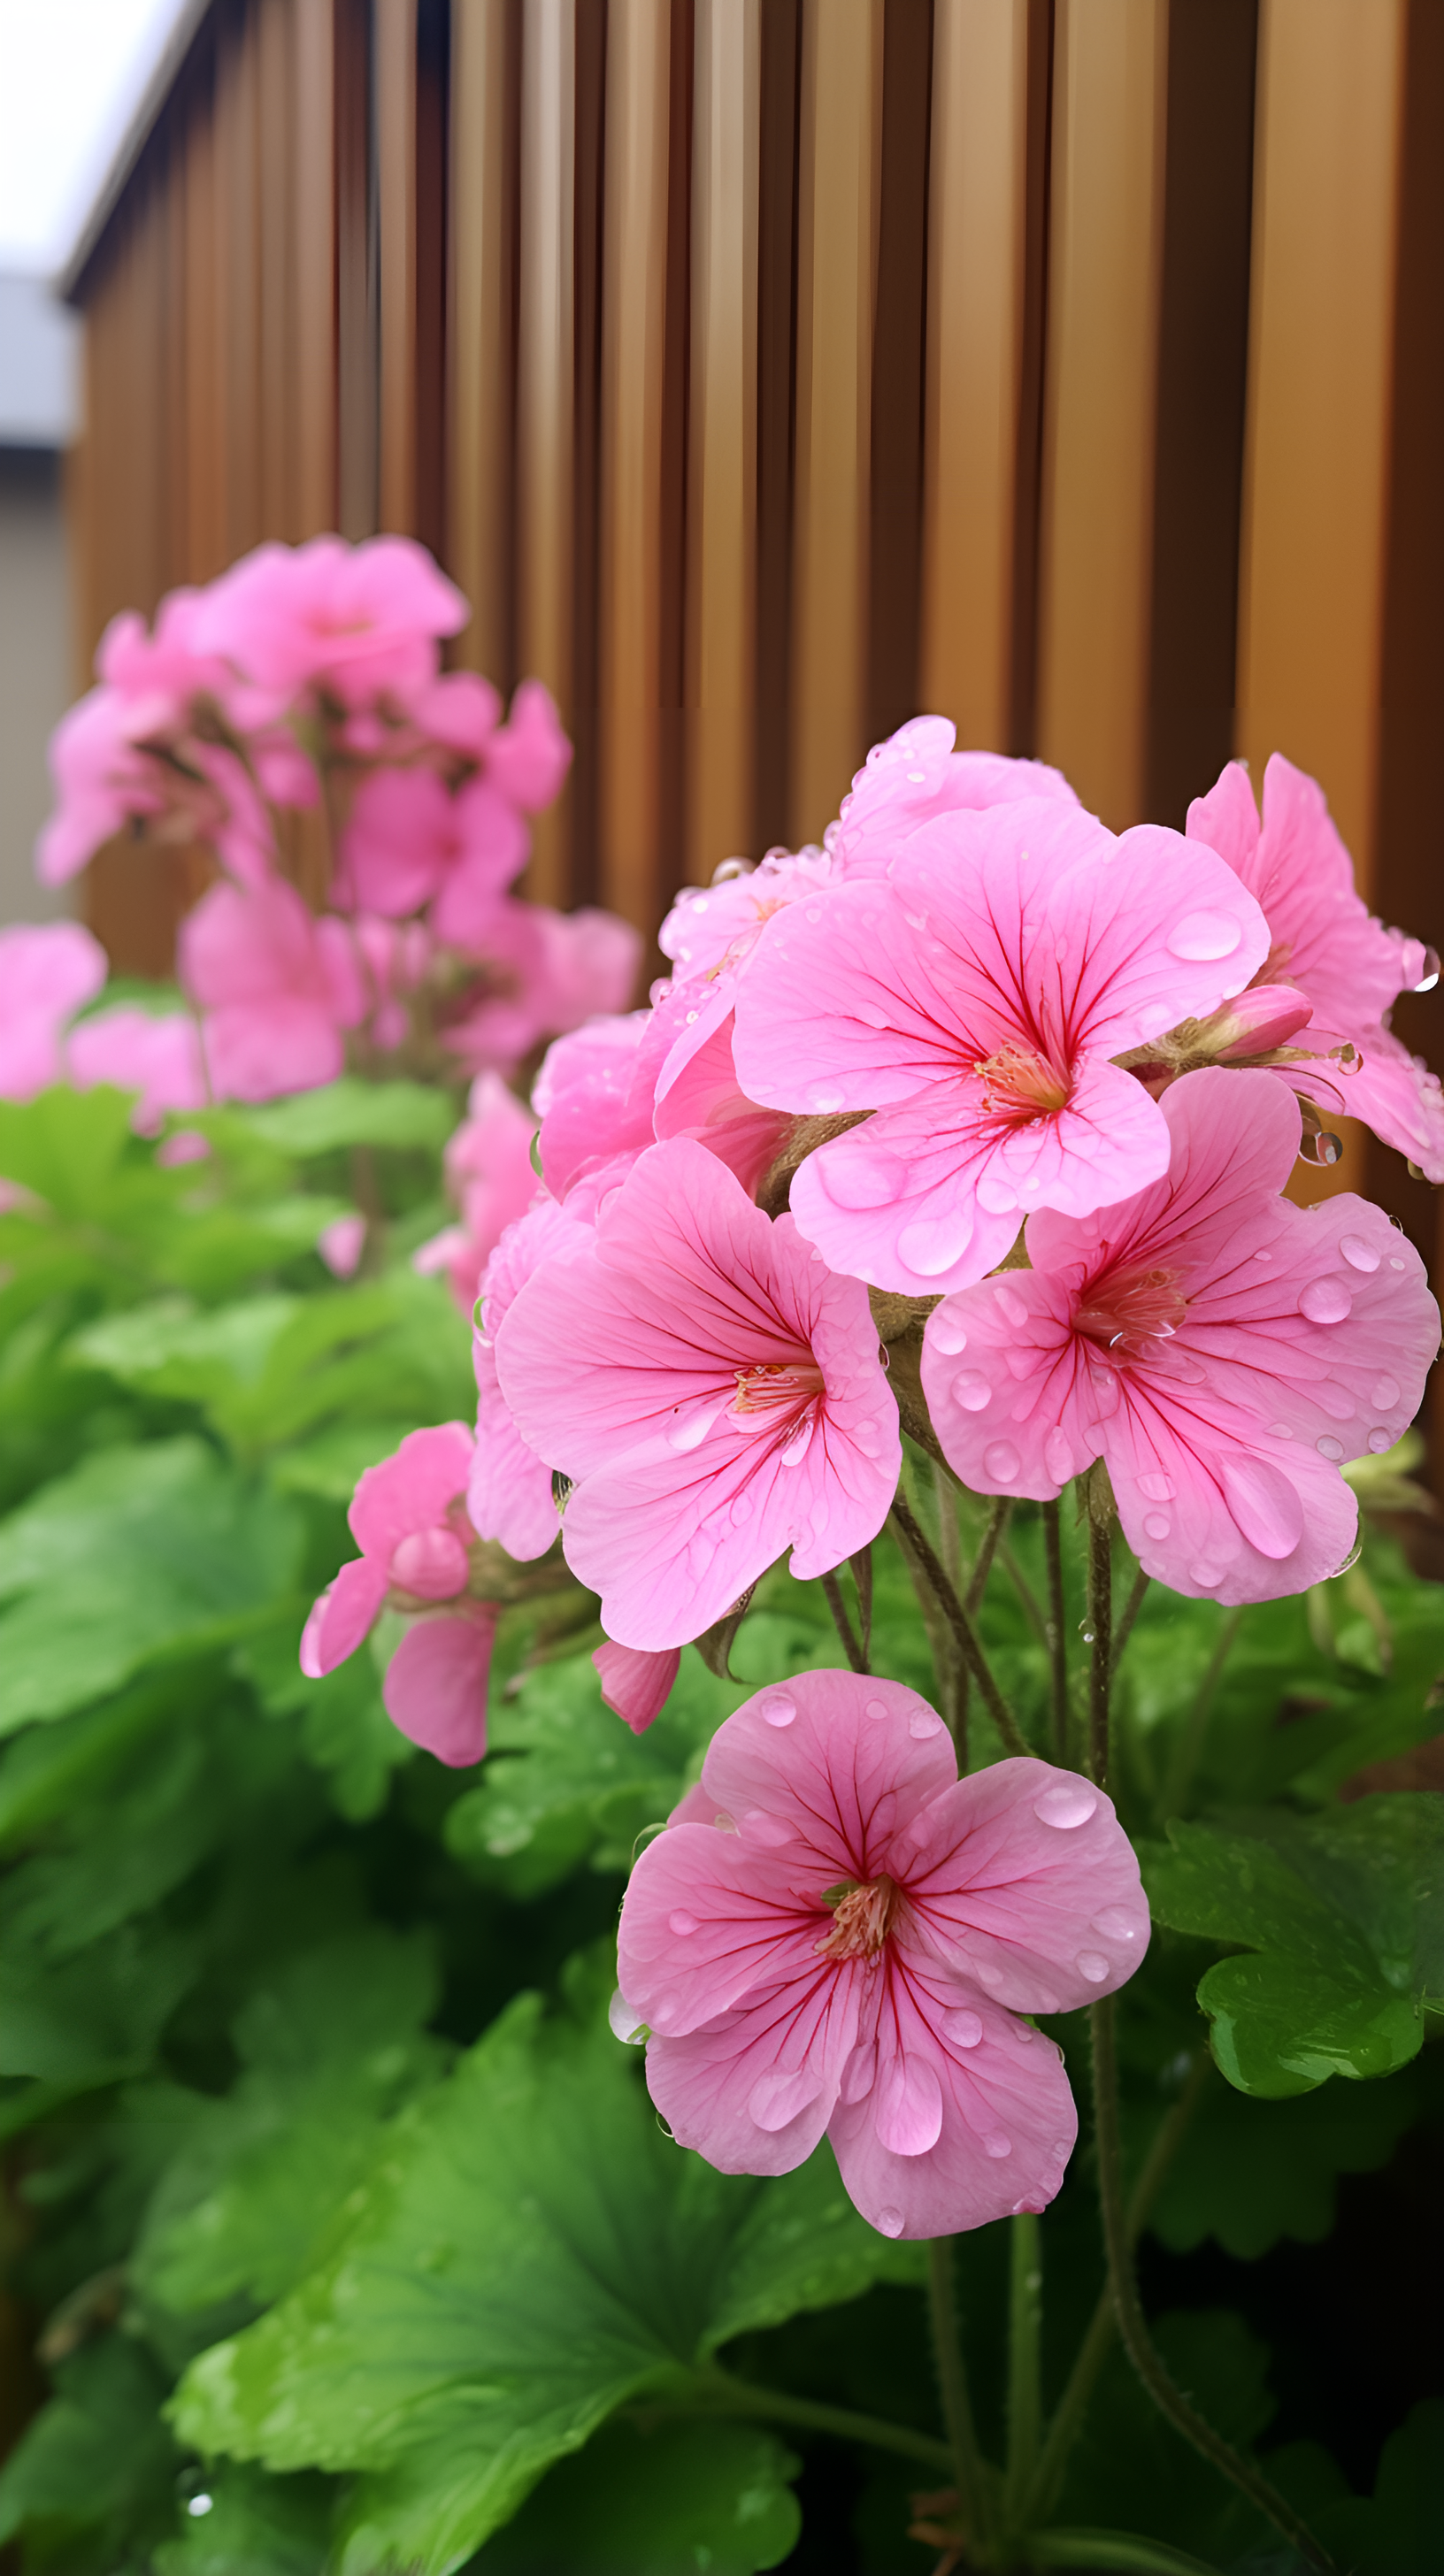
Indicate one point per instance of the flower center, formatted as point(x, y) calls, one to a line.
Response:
point(1127, 1309)
point(1022, 1083)
point(861, 1921)
point(777, 1386)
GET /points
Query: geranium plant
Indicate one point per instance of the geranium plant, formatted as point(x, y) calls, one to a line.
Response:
point(857, 1464)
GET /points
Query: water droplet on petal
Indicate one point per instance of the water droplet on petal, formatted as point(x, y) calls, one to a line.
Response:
point(1159, 1489)
point(824, 1097)
point(771, 1831)
point(1092, 1965)
point(1058, 1456)
point(1381, 1440)
point(689, 1430)
point(1430, 976)
point(1385, 1395)
point(813, 912)
point(1280, 1431)
point(1209, 1577)
point(1157, 1524)
point(1322, 1149)
point(971, 1390)
point(1328, 1447)
point(889, 2222)
point(1117, 1924)
point(1358, 1254)
point(777, 1707)
point(930, 1245)
point(1395, 1263)
point(875, 1708)
point(963, 2027)
point(1067, 1804)
point(681, 1924)
point(1001, 1460)
point(923, 1724)
point(997, 2143)
point(1325, 1301)
point(1203, 936)
point(946, 1333)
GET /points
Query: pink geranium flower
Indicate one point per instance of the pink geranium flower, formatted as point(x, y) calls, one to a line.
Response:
point(716, 1394)
point(916, 775)
point(636, 1685)
point(410, 1523)
point(100, 780)
point(355, 621)
point(1220, 1349)
point(545, 972)
point(156, 1054)
point(509, 1496)
point(48, 971)
point(851, 1953)
point(409, 840)
point(276, 988)
point(1345, 966)
point(973, 1002)
point(489, 1172)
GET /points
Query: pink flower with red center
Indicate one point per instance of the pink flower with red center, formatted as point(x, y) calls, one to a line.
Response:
point(409, 1519)
point(1342, 964)
point(836, 1935)
point(716, 1394)
point(1223, 1352)
point(972, 1002)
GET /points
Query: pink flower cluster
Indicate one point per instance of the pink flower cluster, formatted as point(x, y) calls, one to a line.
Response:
point(309, 677)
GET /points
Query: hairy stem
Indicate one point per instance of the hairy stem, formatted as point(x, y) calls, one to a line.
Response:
point(855, 1653)
point(1195, 1726)
point(942, 1649)
point(1057, 1629)
point(1134, 1604)
point(1138, 2343)
point(968, 2465)
point(1036, 1620)
point(1100, 1652)
point(1103, 2325)
point(987, 1550)
point(1025, 2327)
point(925, 1555)
point(862, 1576)
point(731, 2396)
point(953, 1682)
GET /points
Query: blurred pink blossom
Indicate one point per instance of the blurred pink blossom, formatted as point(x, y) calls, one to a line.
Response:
point(353, 621)
point(276, 988)
point(48, 972)
point(509, 1496)
point(410, 840)
point(489, 1173)
point(547, 972)
point(156, 1054)
point(341, 1244)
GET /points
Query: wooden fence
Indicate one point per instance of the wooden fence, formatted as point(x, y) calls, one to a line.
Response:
point(766, 370)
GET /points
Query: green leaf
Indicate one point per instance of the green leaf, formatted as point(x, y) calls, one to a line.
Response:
point(1343, 1918)
point(1397, 2532)
point(98, 2454)
point(137, 1552)
point(65, 1145)
point(356, 1113)
point(330, 2046)
point(1131, 2467)
point(1251, 2172)
point(676, 2499)
point(345, 1730)
point(238, 2522)
point(89, 2020)
point(529, 2252)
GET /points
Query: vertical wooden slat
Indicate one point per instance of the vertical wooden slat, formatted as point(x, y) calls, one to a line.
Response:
point(837, 248)
point(1109, 100)
point(544, 390)
point(897, 428)
point(977, 262)
point(723, 495)
point(314, 192)
point(394, 110)
point(777, 210)
point(481, 382)
point(204, 541)
point(237, 282)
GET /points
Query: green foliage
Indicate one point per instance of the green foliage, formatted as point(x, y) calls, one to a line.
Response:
point(657, 2500)
point(1343, 1915)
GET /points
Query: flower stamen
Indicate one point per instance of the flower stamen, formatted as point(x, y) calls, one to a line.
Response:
point(1022, 1083)
point(862, 1920)
point(1125, 1310)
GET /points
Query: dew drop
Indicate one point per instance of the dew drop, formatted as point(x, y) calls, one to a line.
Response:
point(1158, 1488)
point(1328, 1447)
point(1117, 1924)
point(1325, 1301)
point(923, 1724)
point(824, 1097)
point(1430, 976)
point(889, 2222)
point(1263, 1256)
point(930, 1245)
point(947, 1334)
point(777, 1707)
point(1092, 1965)
point(1157, 1524)
point(1394, 1262)
point(1010, 1305)
point(1209, 1577)
point(1203, 936)
point(681, 1924)
point(1380, 1440)
point(1385, 1395)
point(1352, 1559)
point(689, 1430)
point(813, 912)
point(1067, 1805)
point(963, 2026)
point(971, 1390)
point(771, 1831)
point(1358, 1254)
point(1280, 1431)
point(997, 2143)
point(917, 777)
point(1000, 1459)
point(875, 1708)
point(1086, 1633)
point(1322, 1149)
point(1058, 1457)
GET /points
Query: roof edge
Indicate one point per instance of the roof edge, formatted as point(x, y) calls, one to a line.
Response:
point(137, 134)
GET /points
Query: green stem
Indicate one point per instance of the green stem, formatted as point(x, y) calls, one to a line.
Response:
point(987, 1550)
point(731, 2396)
point(1195, 1726)
point(1117, 2553)
point(1100, 1652)
point(862, 1576)
point(1103, 2326)
point(1138, 2343)
point(958, 1621)
point(855, 1654)
point(941, 1648)
point(1124, 1629)
point(967, 2462)
point(1024, 1590)
point(950, 1541)
point(1025, 2326)
point(1057, 1628)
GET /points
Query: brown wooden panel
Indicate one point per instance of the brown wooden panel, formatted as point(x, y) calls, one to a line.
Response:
point(545, 388)
point(394, 109)
point(485, 69)
point(315, 194)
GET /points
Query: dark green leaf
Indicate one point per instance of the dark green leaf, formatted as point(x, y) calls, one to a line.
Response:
point(98, 2454)
point(676, 2499)
point(238, 2522)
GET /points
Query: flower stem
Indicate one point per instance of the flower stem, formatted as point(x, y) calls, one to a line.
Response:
point(925, 1556)
point(862, 1576)
point(1025, 1592)
point(966, 2460)
point(1100, 1629)
point(731, 2396)
point(854, 1652)
point(1124, 1629)
point(1057, 1629)
point(1195, 1726)
point(1025, 2325)
point(1138, 2343)
point(987, 1550)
